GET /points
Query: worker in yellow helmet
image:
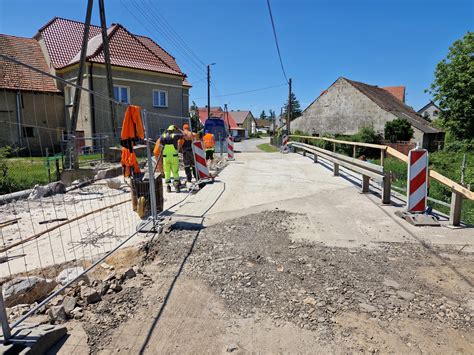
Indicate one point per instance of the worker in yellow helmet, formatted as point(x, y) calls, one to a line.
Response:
point(169, 144)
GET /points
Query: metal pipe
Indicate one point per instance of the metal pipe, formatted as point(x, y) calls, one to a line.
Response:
point(3, 318)
point(151, 170)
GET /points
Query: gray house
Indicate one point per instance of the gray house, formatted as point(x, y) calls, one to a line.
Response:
point(144, 74)
point(430, 111)
point(31, 106)
point(347, 106)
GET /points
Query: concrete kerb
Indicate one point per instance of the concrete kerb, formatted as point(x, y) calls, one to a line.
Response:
point(32, 339)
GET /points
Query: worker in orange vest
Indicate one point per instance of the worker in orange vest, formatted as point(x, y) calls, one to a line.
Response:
point(186, 145)
point(209, 143)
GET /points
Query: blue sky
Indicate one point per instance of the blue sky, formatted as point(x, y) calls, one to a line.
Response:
point(380, 42)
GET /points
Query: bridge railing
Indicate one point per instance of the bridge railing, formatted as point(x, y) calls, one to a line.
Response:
point(458, 192)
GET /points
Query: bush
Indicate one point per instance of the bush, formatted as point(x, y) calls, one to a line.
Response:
point(398, 130)
point(459, 146)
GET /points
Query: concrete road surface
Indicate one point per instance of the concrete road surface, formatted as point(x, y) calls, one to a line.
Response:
point(180, 314)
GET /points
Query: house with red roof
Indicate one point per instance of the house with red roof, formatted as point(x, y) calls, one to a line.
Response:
point(31, 106)
point(348, 105)
point(227, 117)
point(144, 74)
point(246, 121)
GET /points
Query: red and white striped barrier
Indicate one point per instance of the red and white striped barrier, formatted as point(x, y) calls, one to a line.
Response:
point(200, 159)
point(417, 180)
point(230, 148)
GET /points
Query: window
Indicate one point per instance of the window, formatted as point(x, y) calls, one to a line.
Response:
point(435, 113)
point(122, 94)
point(160, 98)
point(28, 132)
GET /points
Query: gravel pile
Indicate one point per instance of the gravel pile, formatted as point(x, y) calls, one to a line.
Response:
point(255, 267)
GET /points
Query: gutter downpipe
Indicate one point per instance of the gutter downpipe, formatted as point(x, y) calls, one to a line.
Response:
point(18, 115)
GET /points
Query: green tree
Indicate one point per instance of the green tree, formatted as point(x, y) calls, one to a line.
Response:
point(271, 114)
point(194, 115)
point(263, 115)
point(295, 108)
point(453, 88)
point(398, 130)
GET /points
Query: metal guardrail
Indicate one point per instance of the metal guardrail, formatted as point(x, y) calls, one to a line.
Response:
point(366, 169)
point(458, 192)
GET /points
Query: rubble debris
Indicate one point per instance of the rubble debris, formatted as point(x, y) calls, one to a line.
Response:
point(90, 295)
point(69, 304)
point(27, 289)
point(114, 183)
point(56, 313)
point(51, 189)
point(69, 274)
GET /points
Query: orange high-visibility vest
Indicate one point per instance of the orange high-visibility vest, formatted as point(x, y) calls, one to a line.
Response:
point(129, 162)
point(132, 127)
point(209, 141)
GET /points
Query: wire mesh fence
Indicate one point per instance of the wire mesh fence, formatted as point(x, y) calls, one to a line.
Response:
point(58, 220)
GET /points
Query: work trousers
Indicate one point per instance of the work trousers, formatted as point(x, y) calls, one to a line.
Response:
point(188, 160)
point(171, 165)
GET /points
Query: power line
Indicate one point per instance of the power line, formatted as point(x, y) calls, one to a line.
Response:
point(276, 39)
point(245, 92)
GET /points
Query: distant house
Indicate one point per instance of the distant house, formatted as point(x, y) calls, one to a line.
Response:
point(218, 112)
point(245, 120)
point(430, 111)
point(144, 74)
point(347, 106)
point(31, 106)
point(263, 125)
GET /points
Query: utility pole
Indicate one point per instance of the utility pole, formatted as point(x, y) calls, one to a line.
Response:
point(290, 109)
point(108, 67)
point(208, 91)
point(226, 114)
point(72, 160)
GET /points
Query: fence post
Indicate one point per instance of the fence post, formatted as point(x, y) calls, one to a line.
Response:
point(315, 157)
point(4, 319)
point(151, 169)
point(386, 188)
point(336, 169)
point(365, 183)
point(354, 151)
point(334, 147)
point(456, 206)
point(382, 157)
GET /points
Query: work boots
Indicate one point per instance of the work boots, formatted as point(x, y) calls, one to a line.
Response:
point(168, 188)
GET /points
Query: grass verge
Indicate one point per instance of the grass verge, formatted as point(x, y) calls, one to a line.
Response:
point(266, 147)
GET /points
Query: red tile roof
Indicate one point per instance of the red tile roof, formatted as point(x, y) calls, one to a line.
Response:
point(17, 77)
point(63, 40)
point(397, 91)
point(217, 112)
point(240, 116)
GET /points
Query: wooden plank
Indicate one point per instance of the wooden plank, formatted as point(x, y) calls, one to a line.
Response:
point(395, 153)
point(452, 185)
point(455, 212)
point(359, 144)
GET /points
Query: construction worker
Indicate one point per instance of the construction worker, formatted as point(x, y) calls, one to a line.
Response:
point(169, 144)
point(209, 143)
point(188, 156)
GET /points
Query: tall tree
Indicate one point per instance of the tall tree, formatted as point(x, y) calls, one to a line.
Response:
point(295, 108)
point(194, 115)
point(271, 114)
point(453, 88)
point(263, 115)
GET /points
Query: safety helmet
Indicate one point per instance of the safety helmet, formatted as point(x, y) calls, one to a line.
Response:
point(206, 131)
point(170, 128)
point(185, 126)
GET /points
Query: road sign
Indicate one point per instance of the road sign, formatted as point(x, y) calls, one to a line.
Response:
point(417, 191)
